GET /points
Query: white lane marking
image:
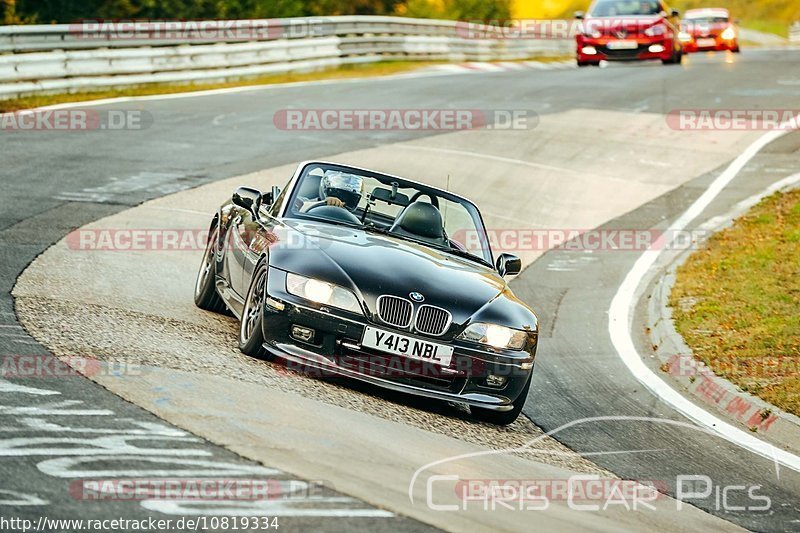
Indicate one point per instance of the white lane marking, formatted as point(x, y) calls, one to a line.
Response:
point(270, 508)
point(109, 445)
point(487, 156)
point(748, 203)
point(235, 90)
point(15, 499)
point(49, 409)
point(11, 326)
point(440, 71)
point(115, 189)
point(620, 320)
point(178, 210)
point(7, 386)
point(62, 467)
point(142, 428)
point(508, 160)
point(27, 341)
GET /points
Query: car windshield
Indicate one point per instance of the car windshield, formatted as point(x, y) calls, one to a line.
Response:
point(622, 8)
point(384, 204)
point(705, 20)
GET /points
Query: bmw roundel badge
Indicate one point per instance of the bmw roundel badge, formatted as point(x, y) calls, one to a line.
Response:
point(417, 297)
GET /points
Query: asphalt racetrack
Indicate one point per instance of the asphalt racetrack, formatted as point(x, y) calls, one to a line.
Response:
point(602, 154)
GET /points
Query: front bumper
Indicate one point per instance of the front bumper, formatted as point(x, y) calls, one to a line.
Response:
point(336, 350)
point(603, 48)
point(720, 45)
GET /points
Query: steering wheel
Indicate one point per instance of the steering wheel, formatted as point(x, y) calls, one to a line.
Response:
point(434, 199)
point(307, 208)
point(333, 213)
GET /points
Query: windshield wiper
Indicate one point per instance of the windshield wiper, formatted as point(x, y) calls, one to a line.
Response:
point(466, 255)
point(455, 251)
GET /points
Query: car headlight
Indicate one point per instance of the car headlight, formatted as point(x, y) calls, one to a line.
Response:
point(322, 292)
point(654, 31)
point(497, 336)
point(729, 33)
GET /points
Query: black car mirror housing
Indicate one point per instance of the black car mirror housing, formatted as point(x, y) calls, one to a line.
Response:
point(580, 15)
point(509, 265)
point(248, 198)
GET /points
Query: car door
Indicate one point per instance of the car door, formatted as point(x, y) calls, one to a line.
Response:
point(238, 244)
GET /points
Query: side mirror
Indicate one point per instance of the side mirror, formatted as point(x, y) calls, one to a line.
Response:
point(248, 198)
point(509, 265)
point(269, 198)
point(675, 13)
point(580, 15)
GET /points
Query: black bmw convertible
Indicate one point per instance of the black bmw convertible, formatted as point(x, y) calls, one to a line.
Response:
point(379, 278)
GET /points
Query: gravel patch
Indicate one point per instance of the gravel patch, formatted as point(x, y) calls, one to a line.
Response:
point(106, 333)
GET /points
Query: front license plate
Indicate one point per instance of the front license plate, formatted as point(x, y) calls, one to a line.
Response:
point(706, 43)
point(623, 45)
point(385, 341)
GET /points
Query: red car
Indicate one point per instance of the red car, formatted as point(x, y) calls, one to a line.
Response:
point(709, 29)
point(629, 30)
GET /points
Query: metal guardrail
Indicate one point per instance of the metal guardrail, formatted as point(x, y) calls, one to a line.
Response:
point(90, 56)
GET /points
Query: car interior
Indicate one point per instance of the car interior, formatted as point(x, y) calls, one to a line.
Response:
point(405, 212)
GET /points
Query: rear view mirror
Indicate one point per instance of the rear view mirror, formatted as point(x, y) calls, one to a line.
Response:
point(509, 265)
point(248, 198)
point(385, 195)
point(580, 15)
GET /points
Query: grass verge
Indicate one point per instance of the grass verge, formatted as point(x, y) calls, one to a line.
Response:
point(737, 302)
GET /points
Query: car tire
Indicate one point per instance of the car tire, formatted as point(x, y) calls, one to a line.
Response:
point(737, 50)
point(251, 334)
point(205, 290)
point(503, 418)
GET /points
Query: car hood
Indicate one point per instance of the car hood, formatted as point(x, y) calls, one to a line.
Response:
point(708, 29)
point(373, 265)
point(633, 24)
